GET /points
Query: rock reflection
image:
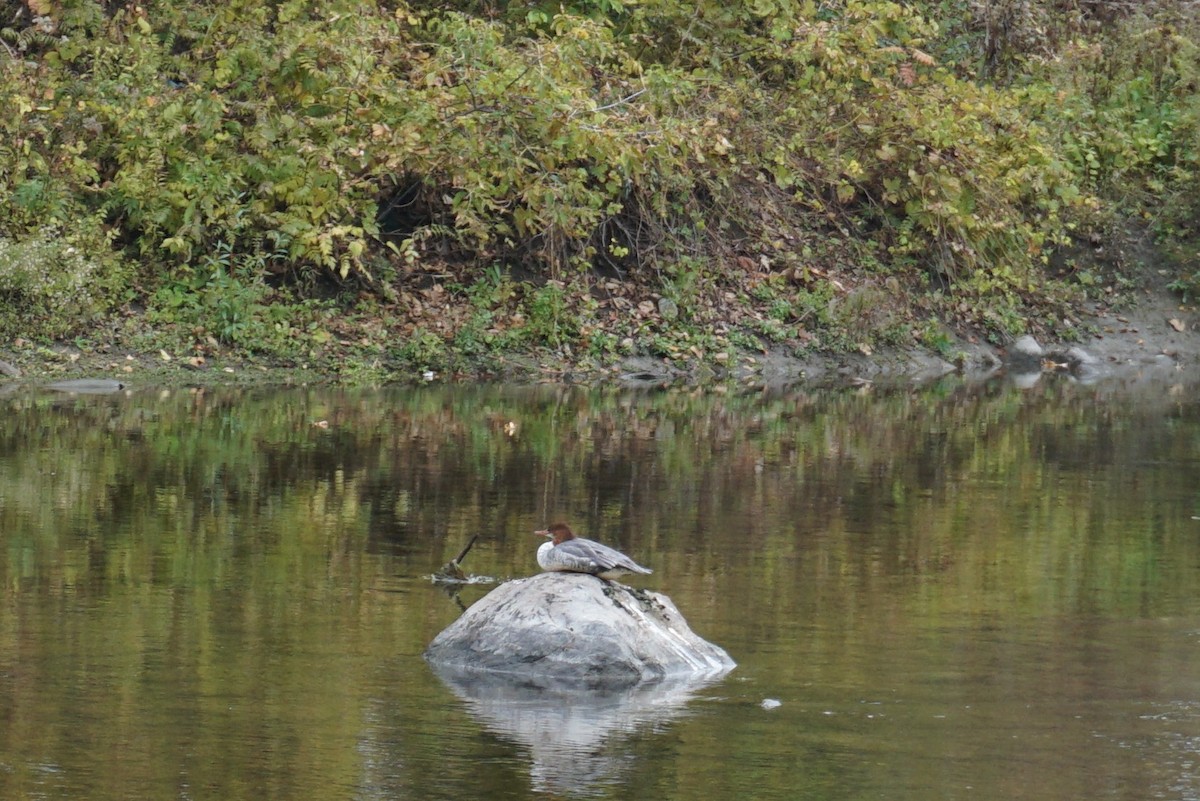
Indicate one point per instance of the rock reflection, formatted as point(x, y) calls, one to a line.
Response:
point(578, 737)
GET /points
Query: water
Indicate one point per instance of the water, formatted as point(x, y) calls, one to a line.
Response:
point(975, 592)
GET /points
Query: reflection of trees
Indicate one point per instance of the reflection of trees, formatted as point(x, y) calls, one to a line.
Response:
point(207, 542)
point(415, 472)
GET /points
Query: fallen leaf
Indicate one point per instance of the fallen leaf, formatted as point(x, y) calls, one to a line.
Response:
point(923, 57)
point(1176, 323)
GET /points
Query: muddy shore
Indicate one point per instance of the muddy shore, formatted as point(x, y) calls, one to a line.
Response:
point(1148, 333)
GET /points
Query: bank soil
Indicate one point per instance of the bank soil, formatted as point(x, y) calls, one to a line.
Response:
point(1147, 332)
point(1144, 330)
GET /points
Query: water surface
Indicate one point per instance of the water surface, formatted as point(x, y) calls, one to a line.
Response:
point(960, 591)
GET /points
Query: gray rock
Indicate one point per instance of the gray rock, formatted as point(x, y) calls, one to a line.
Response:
point(1078, 357)
point(576, 629)
point(1084, 366)
point(88, 386)
point(922, 366)
point(980, 360)
point(1025, 356)
point(643, 371)
point(1028, 347)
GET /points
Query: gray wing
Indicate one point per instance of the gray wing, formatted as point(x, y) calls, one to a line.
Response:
point(601, 556)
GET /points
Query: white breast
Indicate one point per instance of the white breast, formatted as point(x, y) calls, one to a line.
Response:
point(543, 556)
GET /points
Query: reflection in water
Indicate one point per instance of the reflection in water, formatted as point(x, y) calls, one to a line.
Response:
point(576, 737)
point(962, 590)
point(1173, 735)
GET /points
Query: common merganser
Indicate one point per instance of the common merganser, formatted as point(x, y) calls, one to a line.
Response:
point(567, 552)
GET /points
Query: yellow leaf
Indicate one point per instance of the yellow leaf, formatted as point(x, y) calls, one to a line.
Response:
point(922, 57)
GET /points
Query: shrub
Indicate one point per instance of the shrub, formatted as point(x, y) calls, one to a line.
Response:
point(323, 136)
point(56, 283)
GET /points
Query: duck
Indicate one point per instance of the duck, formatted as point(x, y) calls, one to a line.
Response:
point(566, 552)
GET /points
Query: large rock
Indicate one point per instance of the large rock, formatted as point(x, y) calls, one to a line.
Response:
point(576, 628)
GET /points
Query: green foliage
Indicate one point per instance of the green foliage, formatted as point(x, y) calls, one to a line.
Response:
point(809, 306)
point(937, 339)
point(423, 350)
point(1187, 285)
point(225, 298)
point(1125, 106)
point(1124, 112)
point(991, 305)
point(56, 283)
point(324, 139)
point(549, 318)
point(281, 127)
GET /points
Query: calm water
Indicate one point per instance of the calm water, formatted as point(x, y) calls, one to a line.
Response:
point(958, 592)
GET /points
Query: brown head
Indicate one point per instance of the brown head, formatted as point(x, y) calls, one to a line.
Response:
point(557, 533)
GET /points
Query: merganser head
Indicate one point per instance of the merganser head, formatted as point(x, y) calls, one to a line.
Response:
point(557, 533)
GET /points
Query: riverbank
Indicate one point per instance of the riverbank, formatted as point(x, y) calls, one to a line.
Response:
point(441, 192)
point(1144, 330)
